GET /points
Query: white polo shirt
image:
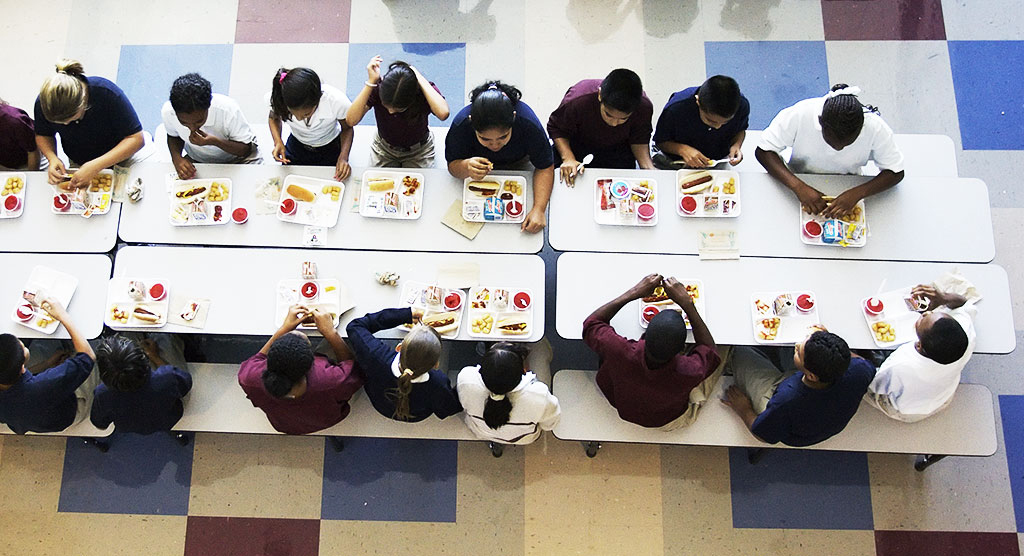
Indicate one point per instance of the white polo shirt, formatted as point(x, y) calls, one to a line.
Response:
point(534, 408)
point(917, 386)
point(323, 125)
point(798, 127)
point(225, 120)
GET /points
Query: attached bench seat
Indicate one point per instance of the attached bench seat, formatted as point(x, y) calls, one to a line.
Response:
point(83, 429)
point(965, 428)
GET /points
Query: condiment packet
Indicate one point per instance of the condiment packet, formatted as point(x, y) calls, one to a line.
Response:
point(453, 219)
point(718, 245)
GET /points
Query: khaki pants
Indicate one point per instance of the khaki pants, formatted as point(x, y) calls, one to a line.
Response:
point(884, 404)
point(420, 155)
point(700, 394)
point(757, 377)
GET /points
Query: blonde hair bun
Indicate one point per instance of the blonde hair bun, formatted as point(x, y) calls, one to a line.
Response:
point(64, 94)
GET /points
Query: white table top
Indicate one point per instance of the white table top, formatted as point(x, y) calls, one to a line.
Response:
point(920, 219)
point(86, 307)
point(585, 281)
point(242, 283)
point(147, 221)
point(39, 230)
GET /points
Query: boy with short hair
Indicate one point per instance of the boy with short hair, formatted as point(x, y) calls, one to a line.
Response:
point(808, 399)
point(135, 397)
point(610, 119)
point(649, 381)
point(919, 379)
point(209, 126)
point(54, 399)
point(702, 124)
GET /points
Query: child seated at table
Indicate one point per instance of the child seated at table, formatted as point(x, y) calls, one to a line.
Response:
point(499, 131)
point(651, 381)
point(315, 114)
point(610, 119)
point(301, 391)
point(833, 134)
point(919, 378)
point(505, 402)
point(144, 381)
point(401, 102)
point(809, 397)
point(51, 400)
point(403, 383)
point(18, 150)
point(209, 126)
point(702, 124)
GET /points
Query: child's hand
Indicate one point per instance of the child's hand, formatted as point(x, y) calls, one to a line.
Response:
point(373, 69)
point(342, 170)
point(535, 221)
point(811, 199)
point(568, 171)
point(676, 291)
point(737, 400)
point(200, 137)
point(296, 314)
point(735, 155)
point(279, 153)
point(150, 347)
point(645, 286)
point(84, 175)
point(417, 314)
point(55, 174)
point(841, 205)
point(186, 170)
point(693, 158)
point(55, 309)
point(324, 321)
point(478, 167)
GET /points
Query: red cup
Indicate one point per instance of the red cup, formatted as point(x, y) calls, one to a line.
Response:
point(157, 291)
point(812, 229)
point(240, 215)
point(513, 208)
point(645, 212)
point(12, 203)
point(688, 204)
point(309, 290)
point(61, 202)
point(521, 301)
point(453, 301)
point(874, 306)
point(288, 206)
point(649, 312)
point(805, 302)
point(24, 312)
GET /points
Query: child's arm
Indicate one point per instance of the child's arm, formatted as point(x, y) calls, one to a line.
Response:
point(809, 197)
point(368, 347)
point(275, 132)
point(186, 170)
point(446, 399)
point(477, 168)
point(325, 325)
point(845, 202)
point(342, 170)
point(47, 146)
point(642, 152)
point(360, 105)
point(57, 311)
point(736, 149)
point(291, 322)
point(543, 182)
point(33, 160)
point(567, 171)
point(122, 151)
point(234, 148)
point(438, 105)
point(691, 156)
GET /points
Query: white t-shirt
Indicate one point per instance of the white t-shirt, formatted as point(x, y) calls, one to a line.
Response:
point(225, 120)
point(917, 386)
point(534, 408)
point(323, 125)
point(798, 127)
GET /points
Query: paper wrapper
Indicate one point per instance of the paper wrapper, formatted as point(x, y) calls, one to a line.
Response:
point(459, 276)
point(177, 306)
point(453, 219)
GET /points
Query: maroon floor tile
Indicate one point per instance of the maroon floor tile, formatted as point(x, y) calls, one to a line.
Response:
point(300, 21)
point(906, 20)
point(238, 536)
point(945, 543)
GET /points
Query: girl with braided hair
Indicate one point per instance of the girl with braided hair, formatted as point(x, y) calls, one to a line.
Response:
point(833, 134)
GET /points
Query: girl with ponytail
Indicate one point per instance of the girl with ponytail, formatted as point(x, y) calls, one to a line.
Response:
point(505, 402)
point(498, 131)
point(97, 125)
point(403, 383)
point(833, 134)
point(301, 391)
point(401, 101)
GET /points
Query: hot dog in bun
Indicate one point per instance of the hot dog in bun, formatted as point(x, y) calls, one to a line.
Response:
point(513, 325)
point(696, 182)
point(659, 297)
point(145, 315)
point(484, 188)
point(442, 322)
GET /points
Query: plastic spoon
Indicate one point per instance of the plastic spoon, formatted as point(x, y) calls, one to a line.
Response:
point(586, 160)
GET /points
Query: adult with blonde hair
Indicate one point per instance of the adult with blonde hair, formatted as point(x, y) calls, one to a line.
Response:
point(97, 124)
point(403, 383)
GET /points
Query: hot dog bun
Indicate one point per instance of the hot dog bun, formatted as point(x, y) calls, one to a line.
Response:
point(145, 315)
point(696, 182)
point(484, 188)
point(515, 326)
point(442, 322)
point(380, 184)
point(301, 193)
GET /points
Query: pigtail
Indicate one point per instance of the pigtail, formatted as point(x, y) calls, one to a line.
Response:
point(421, 350)
point(294, 88)
point(401, 396)
point(277, 105)
point(497, 410)
point(501, 370)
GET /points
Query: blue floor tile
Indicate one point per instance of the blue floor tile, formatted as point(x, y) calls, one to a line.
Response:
point(771, 74)
point(801, 489)
point(386, 479)
point(139, 475)
point(988, 93)
point(1011, 409)
point(442, 63)
point(146, 72)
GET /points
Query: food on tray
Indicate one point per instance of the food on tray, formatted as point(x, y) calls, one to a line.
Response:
point(136, 290)
point(13, 186)
point(784, 305)
point(240, 215)
point(432, 295)
point(521, 301)
point(188, 313)
point(453, 301)
point(688, 204)
point(729, 187)
point(309, 290)
point(513, 208)
point(805, 303)
point(645, 212)
point(812, 229)
point(102, 182)
point(483, 297)
point(301, 193)
point(494, 208)
point(145, 315)
point(769, 328)
point(484, 188)
point(380, 184)
point(761, 306)
point(309, 271)
point(500, 299)
point(658, 297)
point(410, 184)
point(61, 202)
point(711, 203)
point(916, 303)
point(190, 192)
point(24, 312)
point(12, 203)
point(157, 291)
point(218, 192)
point(333, 190)
point(288, 206)
point(442, 322)
point(482, 325)
point(648, 313)
point(696, 182)
point(512, 325)
point(884, 332)
point(874, 306)
point(513, 187)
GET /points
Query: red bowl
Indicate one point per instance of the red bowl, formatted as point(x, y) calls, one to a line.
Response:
point(805, 302)
point(513, 208)
point(309, 290)
point(24, 312)
point(521, 301)
point(645, 212)
point(12, 203)
point(61, 202)
point(874, 306)
point(288, 206)
point(453, 301)
point(649, 312)
point(688, 204)
point(157, 291)
point(240, 215)
point(812, 229)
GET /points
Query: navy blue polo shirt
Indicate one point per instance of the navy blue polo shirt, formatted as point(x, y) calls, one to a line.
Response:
point(155, 407)
point(680, 123)
point(45, 402)
point(798, 415)
point(528, 139)
point(109, 119)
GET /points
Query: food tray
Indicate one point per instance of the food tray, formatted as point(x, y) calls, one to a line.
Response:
point(896, 313)
point(323, 210)
point(327, 296)
point(486, 306)
point(856, 233)
point(694, 287)
point(500, 207)
point(45, 282)
point(193, 204)
point(86, 201)
point(727, 205)
point(403, 200)
point(614, 209)
point(435, 300)
point(120, 298)
point(792, 325)
point(13, 187)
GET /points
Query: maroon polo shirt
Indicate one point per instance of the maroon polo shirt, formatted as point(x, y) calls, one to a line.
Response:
point(578, 120)
point(399, 129)
point(17, 137)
